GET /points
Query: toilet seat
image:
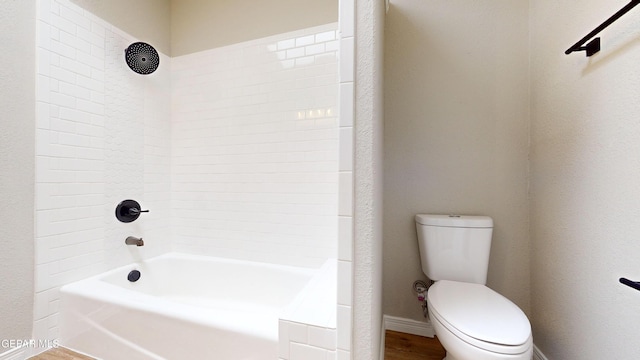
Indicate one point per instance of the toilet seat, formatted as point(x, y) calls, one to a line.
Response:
point(480, 316)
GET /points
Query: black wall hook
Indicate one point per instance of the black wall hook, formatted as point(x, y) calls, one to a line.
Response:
point(128, 211)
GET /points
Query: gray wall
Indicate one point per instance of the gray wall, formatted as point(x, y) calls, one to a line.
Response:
point(456, 135)
point(17, 167)
point(148, 20)
point(203, 24)
point(585, 167)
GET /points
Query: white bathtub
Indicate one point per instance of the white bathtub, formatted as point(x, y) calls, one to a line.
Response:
point(193, 307)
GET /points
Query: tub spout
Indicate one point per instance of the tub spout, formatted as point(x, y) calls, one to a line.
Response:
point(132, 240)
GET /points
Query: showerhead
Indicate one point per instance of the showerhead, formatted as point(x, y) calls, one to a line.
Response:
point(142, 58)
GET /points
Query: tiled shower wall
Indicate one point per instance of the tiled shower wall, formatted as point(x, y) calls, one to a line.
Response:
point(255, 134)
point(255, 149)
point(103, 135)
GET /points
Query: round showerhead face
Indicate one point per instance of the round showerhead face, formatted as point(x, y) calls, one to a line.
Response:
point(142, 58)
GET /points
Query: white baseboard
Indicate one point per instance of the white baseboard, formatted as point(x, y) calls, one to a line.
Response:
point(408, 326)
point(20, 353)
point(537, 354)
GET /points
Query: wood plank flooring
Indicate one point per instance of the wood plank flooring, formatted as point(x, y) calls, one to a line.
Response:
point(397, 346)
point(401, 346)
point(60, 354)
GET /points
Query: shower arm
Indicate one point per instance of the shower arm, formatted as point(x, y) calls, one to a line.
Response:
point(594, 46)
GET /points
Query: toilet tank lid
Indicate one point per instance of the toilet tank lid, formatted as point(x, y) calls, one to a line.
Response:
point(464, 221)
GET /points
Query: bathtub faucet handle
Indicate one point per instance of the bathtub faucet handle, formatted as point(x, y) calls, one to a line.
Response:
point(129, 210)
point(135, 211)
point(132, 240)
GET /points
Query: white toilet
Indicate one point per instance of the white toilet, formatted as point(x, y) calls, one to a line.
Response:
point(471, 321)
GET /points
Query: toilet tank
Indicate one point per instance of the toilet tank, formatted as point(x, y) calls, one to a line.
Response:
point(455, 247)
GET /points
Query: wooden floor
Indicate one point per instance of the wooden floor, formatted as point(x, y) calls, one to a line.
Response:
point(397, 346)
point(60, 354)
point(401, 346)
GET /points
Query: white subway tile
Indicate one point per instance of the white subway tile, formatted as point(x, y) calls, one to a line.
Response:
point(304, 61)
point(322, 337)
point(75, 66)
point(74, 17)
point(343, 354)
point(97, 74)
point(344, 328)
point(346, 104)
point(294, 53)
point(283, 339)
point(63, 49)
point(43, 32)
point(347, 53)
point(286, 44)
point(344, 282)
point(61, 74)
point(61, 125)
point(43, 91)
point(306, 352)
point(345, 195)
point(97, 51)
point(62, 100)
point(89, 83)
point(332, 46)
point(314, 49)
point(346, 149)
point(89, 107)
point(43, 115)
point(305, 40)
point(44, 62)
point(346, 18)
point(90, 60)
point(63, 24)
point(44, 11)
point(325, 36)
point(345, 238)
point(90, 37)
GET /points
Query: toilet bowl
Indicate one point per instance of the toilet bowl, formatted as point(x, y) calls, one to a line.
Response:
point(474, 322)
point(471, 321)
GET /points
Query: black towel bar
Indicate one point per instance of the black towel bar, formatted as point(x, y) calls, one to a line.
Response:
point(594, 46)
point(633, 284)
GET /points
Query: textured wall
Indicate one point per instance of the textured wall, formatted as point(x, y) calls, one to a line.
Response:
point(368, 182)
point(198, 25)
point(17, 164)
point(147, 20)
point(585, 166)
point(255, 148)
point(456, 135)
point(102, 136)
